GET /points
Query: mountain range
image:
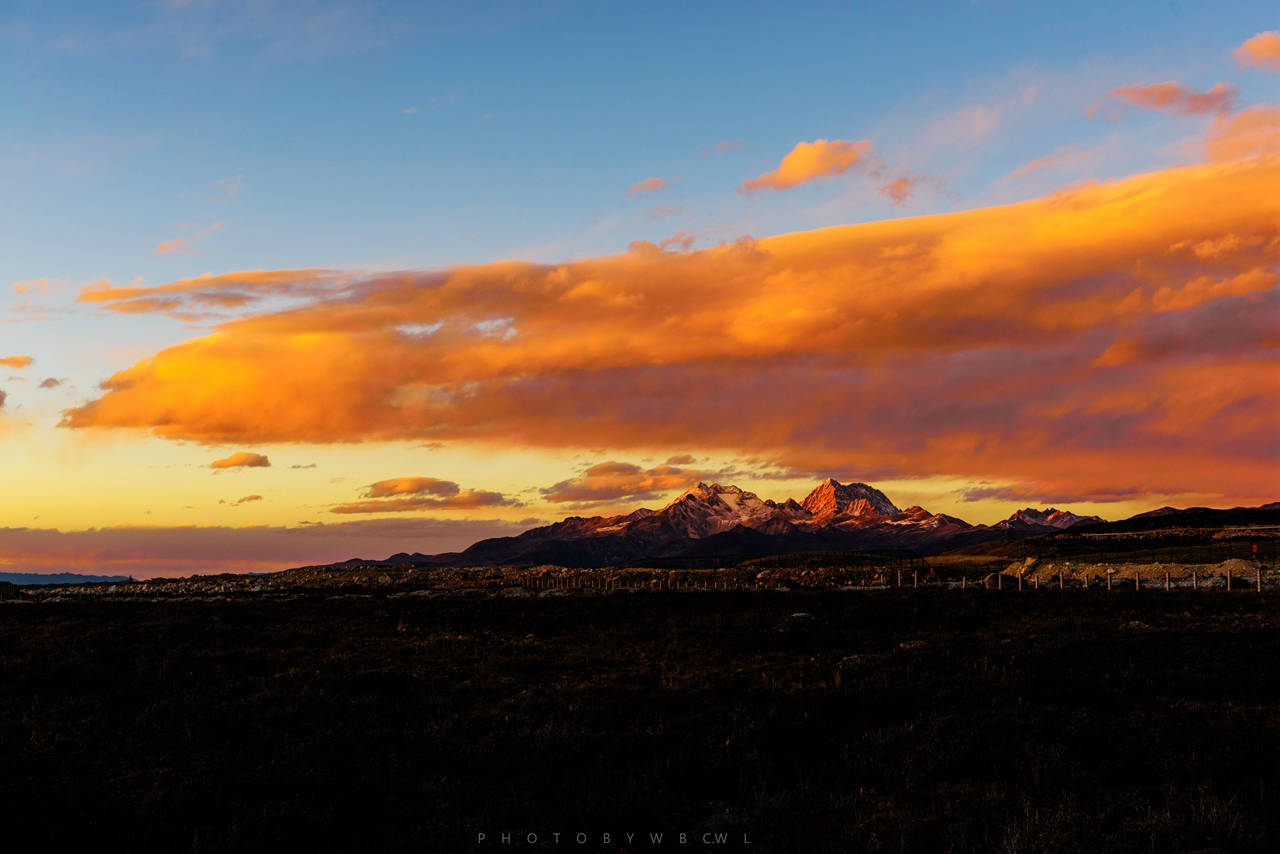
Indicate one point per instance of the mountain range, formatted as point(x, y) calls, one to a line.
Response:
point(711, 520)
point(24, 578)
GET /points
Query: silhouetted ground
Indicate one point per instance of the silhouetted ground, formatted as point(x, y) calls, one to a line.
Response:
point(913, 720)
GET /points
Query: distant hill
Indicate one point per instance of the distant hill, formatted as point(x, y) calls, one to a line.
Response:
point(57, 578)
point(1193, 534)
point(1168, 518)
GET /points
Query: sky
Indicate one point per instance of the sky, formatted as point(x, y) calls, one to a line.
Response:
point(293, 281)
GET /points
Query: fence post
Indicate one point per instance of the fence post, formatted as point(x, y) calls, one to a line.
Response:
point(1137, 580)
point(1108, 579)
point(1228, 576)
point(1166, 579)
point(1060, 574)
point(1019, 582)
point(1259, 579)
point(1195, 580)
point(999, 580)
point(915, 578)
point(963, 580)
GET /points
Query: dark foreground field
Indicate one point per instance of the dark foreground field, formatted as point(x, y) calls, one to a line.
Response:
point(928, 721)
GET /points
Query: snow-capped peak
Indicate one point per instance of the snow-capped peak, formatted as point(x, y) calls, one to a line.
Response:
point(707, 490)
point(706, 509)
point(1051, 518)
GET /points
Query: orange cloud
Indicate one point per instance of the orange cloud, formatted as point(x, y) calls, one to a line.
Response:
point(245, 500)
point(648, 185)
point(969, 344)
point(17, 362)
point(1251, 132)
point(470, 500)
point(1176, 98)
point(241, 459)
point(411, 486)
point(809, 161)
point(386, 497)
point(899, 190)
point(613, 481)
point(1262, 51)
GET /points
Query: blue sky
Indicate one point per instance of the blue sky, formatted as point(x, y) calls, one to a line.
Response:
point(283, 127)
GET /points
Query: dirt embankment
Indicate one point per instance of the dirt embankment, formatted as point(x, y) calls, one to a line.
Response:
point(1208, 574)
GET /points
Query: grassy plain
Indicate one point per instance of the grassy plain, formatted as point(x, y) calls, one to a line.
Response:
point(897, 720)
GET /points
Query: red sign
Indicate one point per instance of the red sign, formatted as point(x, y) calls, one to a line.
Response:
point(1255, 548)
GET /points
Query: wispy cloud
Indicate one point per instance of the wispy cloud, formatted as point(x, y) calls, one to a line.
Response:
point(33, 286)
point(1173, 97)
point(662, 212)
point(186, 298)
point(1255, 131)
point(724, 146)
point(186, 245)
point(1057, 157)
point(648, 185)
point(681, 240)
point(898, 190)
point(226, 189)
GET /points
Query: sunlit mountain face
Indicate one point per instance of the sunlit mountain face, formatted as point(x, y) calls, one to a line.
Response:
point(465, 278)
point(710, 520)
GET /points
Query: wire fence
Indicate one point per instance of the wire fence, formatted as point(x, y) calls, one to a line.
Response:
point(1244, 576)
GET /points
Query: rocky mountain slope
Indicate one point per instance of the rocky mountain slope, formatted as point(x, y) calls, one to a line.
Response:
point(711, 520)
point(1037, 521)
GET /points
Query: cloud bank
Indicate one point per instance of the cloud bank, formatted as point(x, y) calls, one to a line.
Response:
point(1078, 343)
